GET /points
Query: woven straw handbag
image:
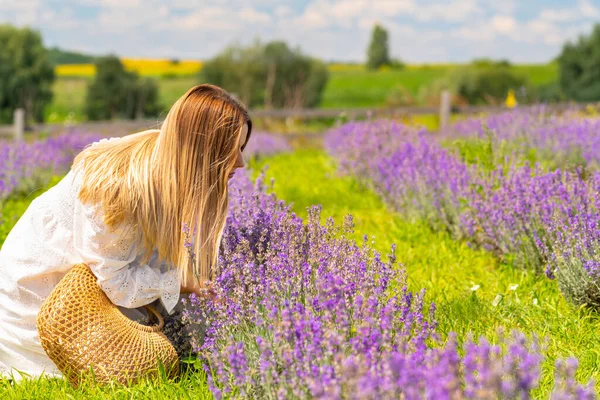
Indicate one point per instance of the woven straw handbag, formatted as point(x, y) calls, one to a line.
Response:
point(81, 329)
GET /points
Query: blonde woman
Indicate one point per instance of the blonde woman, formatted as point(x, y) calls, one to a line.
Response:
point(120, 210)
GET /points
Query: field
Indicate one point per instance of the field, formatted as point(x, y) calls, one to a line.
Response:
point(496, 244)
point(145, 67)
point(348, 86)
point(69, 96)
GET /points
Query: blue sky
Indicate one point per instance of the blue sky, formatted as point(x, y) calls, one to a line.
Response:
point(420, 30)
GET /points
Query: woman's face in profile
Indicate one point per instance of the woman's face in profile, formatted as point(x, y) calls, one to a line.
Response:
point(239, 161)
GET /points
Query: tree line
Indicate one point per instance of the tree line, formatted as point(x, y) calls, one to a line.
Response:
point(268, 75)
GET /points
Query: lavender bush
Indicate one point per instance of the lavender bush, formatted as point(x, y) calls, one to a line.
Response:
point(407, 168)
point(24, 166)
point(359, 145)
point(301, 311)
point(559, 141)
point(265, 144)
point(533, 218)
point(514, 214)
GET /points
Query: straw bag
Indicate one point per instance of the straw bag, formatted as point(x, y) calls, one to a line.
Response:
point(80, 328)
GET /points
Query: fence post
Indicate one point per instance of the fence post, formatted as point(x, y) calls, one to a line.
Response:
point(19, 124)
point(444, 110)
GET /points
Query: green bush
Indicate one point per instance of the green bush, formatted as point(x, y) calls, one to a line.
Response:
point(272, 75)
point(489, 83)
point(117, 93)
point(550, 93)
point(579, 67)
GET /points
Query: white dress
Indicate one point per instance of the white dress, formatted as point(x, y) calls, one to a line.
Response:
point(56, 232)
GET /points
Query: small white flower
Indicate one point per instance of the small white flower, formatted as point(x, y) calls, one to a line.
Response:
point(497, 300)
point(475, 287)
point(513, 287)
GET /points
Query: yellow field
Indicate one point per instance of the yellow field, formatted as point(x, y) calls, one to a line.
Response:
point(145, 67)
point(83, 70)
point(161, 67)
point(345, 67)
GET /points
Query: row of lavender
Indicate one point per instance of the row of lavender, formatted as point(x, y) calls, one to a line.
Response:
point(302, 311)
point(26, 166)
point(540, 219)
point(568, 140)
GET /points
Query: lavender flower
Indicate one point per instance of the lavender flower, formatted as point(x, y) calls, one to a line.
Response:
point(265, 144)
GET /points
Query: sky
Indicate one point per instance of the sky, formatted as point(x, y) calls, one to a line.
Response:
point(420, 31)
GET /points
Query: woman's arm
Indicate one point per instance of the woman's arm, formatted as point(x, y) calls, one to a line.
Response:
point(113, 259)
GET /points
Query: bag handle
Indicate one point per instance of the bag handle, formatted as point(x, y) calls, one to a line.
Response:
point(161, 322)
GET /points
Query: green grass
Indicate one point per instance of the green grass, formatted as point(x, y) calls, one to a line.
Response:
point(69, 97)
point(363, 88)
point(346, 88)
point(474, 293)
point(359, 87)
point(539, 74)
point(189, 386)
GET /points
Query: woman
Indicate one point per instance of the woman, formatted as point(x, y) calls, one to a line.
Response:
point(121, 210)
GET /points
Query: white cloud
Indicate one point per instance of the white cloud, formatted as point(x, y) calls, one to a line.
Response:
point(282, 11)
point(420, 30)
point(251, 15)
point(504, 24)
point(453, 11)
point(584, 10)
point(120, 4)
point(213, 18)
point(21, 5)
point(504, 7)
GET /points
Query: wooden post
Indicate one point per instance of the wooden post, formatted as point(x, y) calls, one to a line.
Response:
point(19, 124)
point(444, 110)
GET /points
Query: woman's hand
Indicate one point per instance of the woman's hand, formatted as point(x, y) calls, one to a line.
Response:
point(202, 291)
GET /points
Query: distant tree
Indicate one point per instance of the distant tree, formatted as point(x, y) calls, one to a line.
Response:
point(143, 99)
point(579, 67)
point(117, 93)
point(240, 70)
point(26, 75)
point(293, 80)
point(377, 53)
point(488, 62)
point(58, 57)
point(270, 75)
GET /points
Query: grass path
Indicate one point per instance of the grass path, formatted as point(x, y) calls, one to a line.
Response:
point(473, 292)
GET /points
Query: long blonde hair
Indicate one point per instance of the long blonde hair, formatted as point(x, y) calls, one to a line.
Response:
point(159, 180)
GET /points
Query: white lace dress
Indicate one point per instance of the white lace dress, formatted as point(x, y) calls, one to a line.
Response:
point(56, 232)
